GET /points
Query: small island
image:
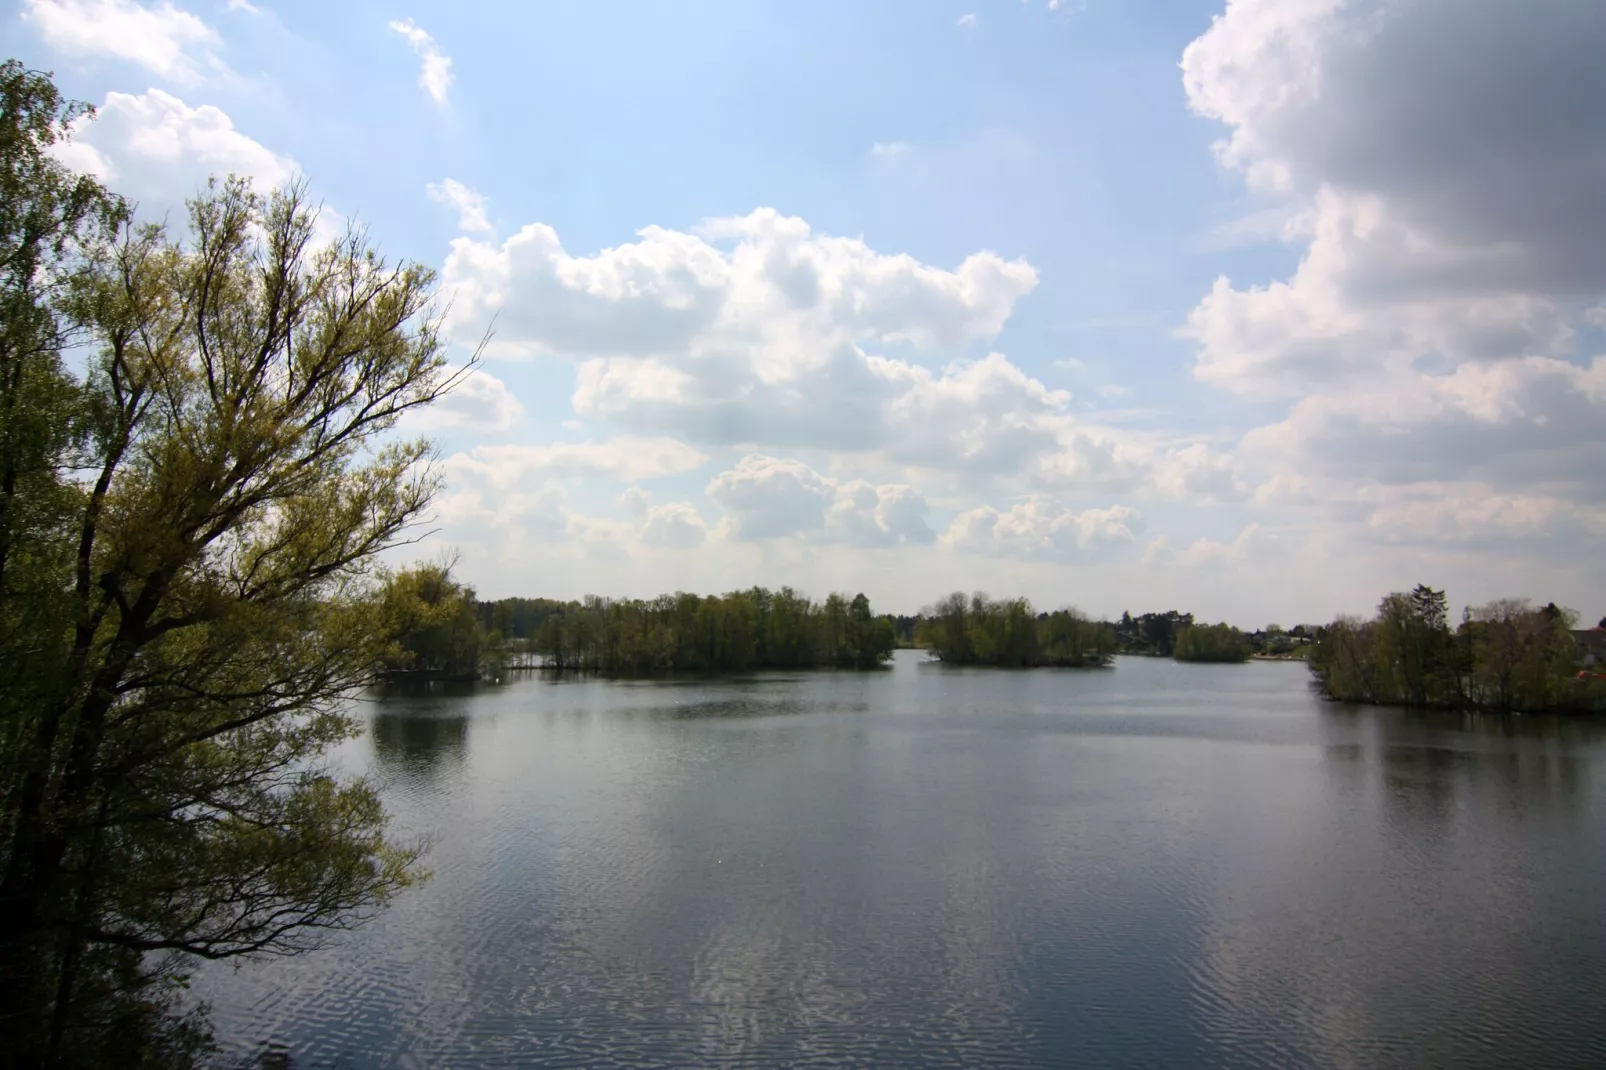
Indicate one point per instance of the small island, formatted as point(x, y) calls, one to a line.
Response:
point(1008, 633)
point(1212, 643)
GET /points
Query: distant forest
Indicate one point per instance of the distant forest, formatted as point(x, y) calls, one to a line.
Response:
point(444, 631)
point(1508, 656)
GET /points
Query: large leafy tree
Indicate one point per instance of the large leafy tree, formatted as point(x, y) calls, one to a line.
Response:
point(193, 497)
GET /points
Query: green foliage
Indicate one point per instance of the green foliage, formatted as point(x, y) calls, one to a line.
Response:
point(1504, 657)
point(1211, 642)
point(435, 623)
point(188, 517)
point(1007, 633)
point(735, 632)
point(517, 618)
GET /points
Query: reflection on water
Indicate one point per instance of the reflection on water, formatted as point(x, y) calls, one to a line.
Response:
point(1160, 865)
point(418, 744)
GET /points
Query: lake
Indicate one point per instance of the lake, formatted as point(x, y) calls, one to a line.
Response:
point(1151, 865)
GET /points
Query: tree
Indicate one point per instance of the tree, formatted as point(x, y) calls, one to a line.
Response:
point(1342, 660)
point(1522, 656)
point(49, 219)
point(946, 630)
point(1505, 657)
point(1007, 633)
point(1159, 630)
point(1211, 642)
point(734, 632)
point(437, 631)
point(192, 605)
point(871, 638)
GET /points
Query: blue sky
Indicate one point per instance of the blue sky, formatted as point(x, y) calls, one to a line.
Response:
point(961, 325)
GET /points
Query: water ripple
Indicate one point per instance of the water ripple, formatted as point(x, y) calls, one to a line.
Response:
point(1153, 866)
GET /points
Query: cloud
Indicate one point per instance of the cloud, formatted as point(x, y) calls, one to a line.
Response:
point(245, 6)
point(517, 494)
point(1199, 473)
point(966, 21)
point(636, 501)
point(507, 466)
point(534, 510)
point(1514, 425)
point(867, 514)
point(155, 149)
point(1250, 545)
point(481, 403)
point(165, 40)
point(1478, 516)
point(1452, 182)
point(756, 333)
point(435, 69)
point(756, 330)
point(1042, 529)
point(889, 150)
point(470, 205)
point(794, 294)
point(1445, 184)
point(675, 526)
point(1280, 222)
point(769, 498)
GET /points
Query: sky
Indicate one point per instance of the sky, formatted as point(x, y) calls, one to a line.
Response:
point(1257, 309)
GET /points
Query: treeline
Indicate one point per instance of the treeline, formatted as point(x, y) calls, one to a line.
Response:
point(445, 632)
point(1008, 633)
point(1507, 657)
point(1161, 635)
point(518, 618)
point(736, 632)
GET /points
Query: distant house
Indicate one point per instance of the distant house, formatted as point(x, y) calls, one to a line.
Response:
point(1592, 641)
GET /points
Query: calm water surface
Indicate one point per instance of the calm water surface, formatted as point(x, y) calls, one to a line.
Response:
point(1156, 865)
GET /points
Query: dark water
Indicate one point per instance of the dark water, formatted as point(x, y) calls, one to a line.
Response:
point(1157, 865)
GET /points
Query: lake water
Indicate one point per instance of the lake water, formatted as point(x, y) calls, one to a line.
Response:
point(1154, 865)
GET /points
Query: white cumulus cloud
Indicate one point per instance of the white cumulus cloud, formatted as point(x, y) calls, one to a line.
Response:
point(435, 67)
point(758, 331)
point(164, 39)
point(1447, 188)
point(481, 402)
point(155, 149)
point(769, 497)
point(677, 526)
point(469, 204)
point(624, 459)
point(1452, 184)
point(1043, 529)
